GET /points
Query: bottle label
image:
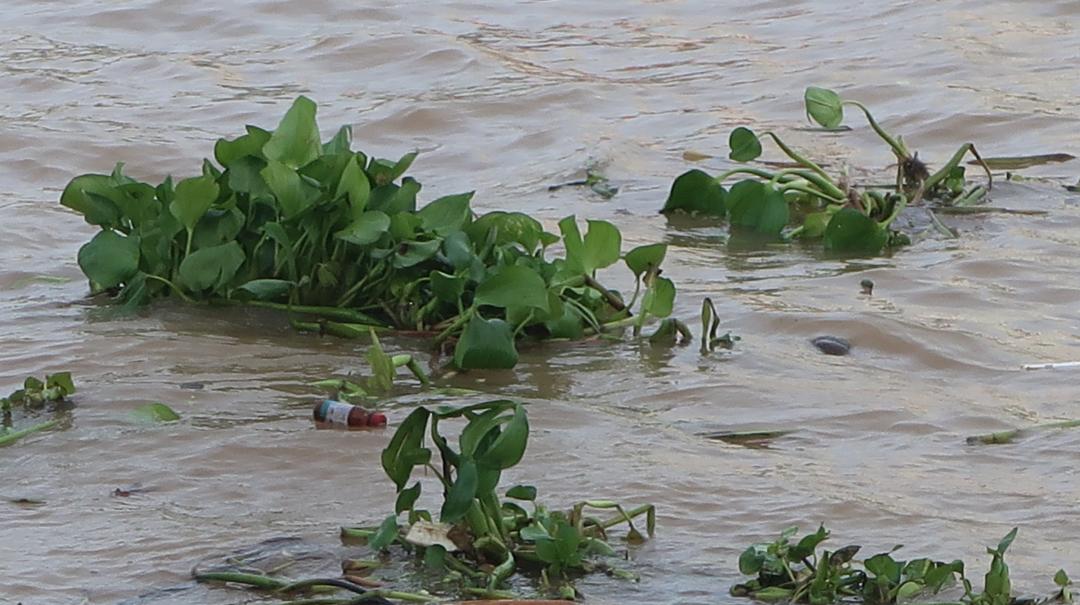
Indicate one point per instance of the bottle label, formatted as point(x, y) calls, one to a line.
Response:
point(337, 412)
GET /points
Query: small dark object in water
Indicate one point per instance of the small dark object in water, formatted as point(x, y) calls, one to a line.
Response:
point(832, 345)
point(192, 386)
point(867, 286)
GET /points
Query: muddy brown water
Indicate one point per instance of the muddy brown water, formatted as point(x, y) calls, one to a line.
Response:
point(507, 98)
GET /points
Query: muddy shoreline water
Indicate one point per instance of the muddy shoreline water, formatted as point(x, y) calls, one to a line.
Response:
point(509, 99)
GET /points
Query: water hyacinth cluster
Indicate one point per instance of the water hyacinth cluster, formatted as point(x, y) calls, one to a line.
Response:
point(806, 202)
point(284, 219)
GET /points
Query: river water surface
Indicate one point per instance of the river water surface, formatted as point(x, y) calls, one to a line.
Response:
point(507, 98)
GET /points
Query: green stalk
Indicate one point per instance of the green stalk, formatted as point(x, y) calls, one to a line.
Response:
point(815, 193)
point(974, 196)
point(626, 516)
point(897, 209)
point(345, 315)
point(954, 161)
point(410, 363)
point(250, 579)
point(12, 437)
point(788, 174)
point(394, 594)
point(357, 533)
point(795, 156)
point(609, 296)
point(333, 328)
point(898, 147)
point(178, 291)
point(502, 571)
point(461, 320)
point(1010, 435)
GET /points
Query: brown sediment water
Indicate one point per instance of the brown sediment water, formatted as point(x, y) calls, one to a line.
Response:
point(508, 98)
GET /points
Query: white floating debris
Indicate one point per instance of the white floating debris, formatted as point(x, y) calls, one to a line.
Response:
point(1061, 365)
point(426, 533)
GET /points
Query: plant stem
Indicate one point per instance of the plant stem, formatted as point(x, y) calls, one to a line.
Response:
point(357, 533)
point(609, 296)
point(809, 191)
point(178, 291)
point(1010, 435)
point(632, 513)
point(12, 437)
point(250, 579)
point(898, 148)
point(345, 315)
point(795, 156)
point(333, 328)
point(457, 323)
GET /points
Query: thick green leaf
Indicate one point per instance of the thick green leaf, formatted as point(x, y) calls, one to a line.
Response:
point(264, 289)
point(513, 286)
point(62, 380)
point(815, 223)
point(458, 249)
point(154, 413)
point(388, 531)
point(383, 172)
point(824, 107)
point(136, 202)
point(293, 196)
point(90, 195)
point(405, 447)
point(659, 299)
point(568, 325)
point(1061, 578)
point(365, 230)
point(218, 227)
point(757, 207)
point(411, 253)
point(884, 566)
point(509, 227)
point(382, 367)
point(744, 145)
point(406, 498)
point(643, 258)
point(522, 492)
point(295, 142)
point(355, 186)
point(852, 232)
point(486, 344)
point(340, 143)
point(393, 199)
point(109, 259)
point(211, 268)
point(446, 214)
point(461, 494)
point(509, 447)
point(447, 288)
point(1007, 541)
point(249, 145)
point(193, 198)
point(602, 246)
point(572, 241)
point(751, 560)
point(809, 543)
point(480, 428)
point(698, 193)
point(245, 176)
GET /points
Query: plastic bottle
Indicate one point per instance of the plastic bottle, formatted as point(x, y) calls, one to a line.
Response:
point(339, 413)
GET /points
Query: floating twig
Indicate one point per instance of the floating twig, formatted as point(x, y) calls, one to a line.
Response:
point(1012, 434)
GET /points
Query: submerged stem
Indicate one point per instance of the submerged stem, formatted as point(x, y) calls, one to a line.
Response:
point(178, 291)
